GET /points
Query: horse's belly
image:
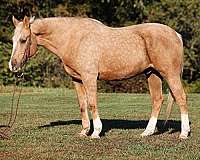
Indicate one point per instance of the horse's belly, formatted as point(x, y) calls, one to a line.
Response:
point(117, 69)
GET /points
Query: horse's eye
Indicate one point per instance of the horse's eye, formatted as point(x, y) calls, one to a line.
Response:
point(22, 40)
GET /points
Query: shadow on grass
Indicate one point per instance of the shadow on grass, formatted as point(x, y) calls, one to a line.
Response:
point(108, 124)
point(3, 126)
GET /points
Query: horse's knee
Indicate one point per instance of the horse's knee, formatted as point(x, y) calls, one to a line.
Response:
point(92, 104)
point(83, 109)
point(158, 100)
point(93, 110)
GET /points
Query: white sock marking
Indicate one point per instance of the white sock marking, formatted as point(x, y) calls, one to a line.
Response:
point(97, 127)
point(150, 127)
point(185, 127)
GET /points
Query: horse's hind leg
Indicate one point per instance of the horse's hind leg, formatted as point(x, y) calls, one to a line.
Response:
point(82, 99)
point(155, 88)
point(176, 87)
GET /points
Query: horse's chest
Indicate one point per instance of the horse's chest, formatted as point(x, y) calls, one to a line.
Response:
point(72, 72)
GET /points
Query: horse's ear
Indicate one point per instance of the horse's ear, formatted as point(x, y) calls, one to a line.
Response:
point(32, 19)
point(15, 21)
point(26, 22)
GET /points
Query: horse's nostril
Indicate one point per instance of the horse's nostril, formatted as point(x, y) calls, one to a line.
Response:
point(13, 65)
point(14, 62)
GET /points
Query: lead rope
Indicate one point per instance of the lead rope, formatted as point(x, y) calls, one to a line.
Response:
point(4, 133)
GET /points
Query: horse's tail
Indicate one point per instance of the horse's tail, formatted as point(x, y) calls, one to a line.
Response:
point(170, 100)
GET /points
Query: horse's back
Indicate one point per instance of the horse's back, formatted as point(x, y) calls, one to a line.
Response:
point(127, 51)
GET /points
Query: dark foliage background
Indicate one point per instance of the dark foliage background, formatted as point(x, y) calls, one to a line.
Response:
point(45, 70)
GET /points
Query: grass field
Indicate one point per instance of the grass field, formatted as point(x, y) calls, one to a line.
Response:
point(49, 120)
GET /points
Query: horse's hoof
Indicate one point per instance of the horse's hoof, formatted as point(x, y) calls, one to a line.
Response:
point(82, 135)
point(93, 136)
point(145, 134)
point(183, 136)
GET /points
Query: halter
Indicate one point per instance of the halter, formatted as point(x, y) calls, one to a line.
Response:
point(26, 55)
point(27, 50)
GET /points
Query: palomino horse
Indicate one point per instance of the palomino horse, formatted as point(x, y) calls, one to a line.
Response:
point(89, 50)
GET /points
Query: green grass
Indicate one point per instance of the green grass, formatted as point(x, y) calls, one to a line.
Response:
point(49, 120)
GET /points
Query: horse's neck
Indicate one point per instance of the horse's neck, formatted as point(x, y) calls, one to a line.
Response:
point(49, 34)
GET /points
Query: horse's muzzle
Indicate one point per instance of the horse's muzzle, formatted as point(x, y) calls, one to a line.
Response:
point(14, 67)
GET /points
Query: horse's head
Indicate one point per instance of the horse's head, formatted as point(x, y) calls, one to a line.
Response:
point(24, 44)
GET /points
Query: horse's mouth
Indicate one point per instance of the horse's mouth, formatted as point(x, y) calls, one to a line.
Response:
point(15, 70)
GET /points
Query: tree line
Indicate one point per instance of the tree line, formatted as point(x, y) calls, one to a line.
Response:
point(45, 70)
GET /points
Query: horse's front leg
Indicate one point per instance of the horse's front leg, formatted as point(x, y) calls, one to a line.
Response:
point(82, 99)
point(90, 85)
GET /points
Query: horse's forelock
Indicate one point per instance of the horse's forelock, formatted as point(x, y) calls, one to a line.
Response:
point(17, 32)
